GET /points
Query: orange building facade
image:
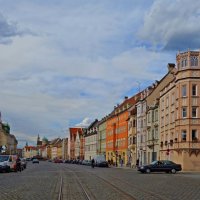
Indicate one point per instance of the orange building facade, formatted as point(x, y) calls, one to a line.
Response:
point(117, 132)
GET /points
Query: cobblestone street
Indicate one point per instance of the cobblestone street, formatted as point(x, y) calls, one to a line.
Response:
point(82, 182)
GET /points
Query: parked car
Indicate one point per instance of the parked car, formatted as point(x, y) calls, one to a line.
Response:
point(102, 164)
point(58, 161)
point(86, 162)
point(8, 163)
point(160, 166)
point(35, 160)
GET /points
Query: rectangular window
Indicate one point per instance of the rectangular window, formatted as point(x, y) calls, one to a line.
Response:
point(156, 133)
point(167, 119)
point(162, 121)
point(162, 104)
point(172, 117)
point(167, 102)
point(152, 115)
point(184, 112)
point(194, 134)
point(184, 91)
point(194, 112)
point(194, 90)
point(172, 98)
point(183, 136)
point(152, 134)
point(149, 117)
point(156, 115)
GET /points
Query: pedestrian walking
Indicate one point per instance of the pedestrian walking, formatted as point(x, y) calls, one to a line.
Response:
point(137, 163)
point(92, 164)
point(121, 162)
point(18, 163)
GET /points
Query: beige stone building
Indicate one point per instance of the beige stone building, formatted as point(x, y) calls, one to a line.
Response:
point(153, 110)
point(132, 151)
point(180, 113)
point(141, 127)
point(29, 151)
point(91, 140)
point(101, 137)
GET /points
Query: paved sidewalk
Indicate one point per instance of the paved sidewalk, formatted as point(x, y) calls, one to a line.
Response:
point(123, 167)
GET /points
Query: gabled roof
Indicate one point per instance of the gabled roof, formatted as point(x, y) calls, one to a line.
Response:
point(127, 101)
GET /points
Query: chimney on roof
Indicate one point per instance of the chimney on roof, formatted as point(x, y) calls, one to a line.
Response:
point(125, 98)
point(170, 66)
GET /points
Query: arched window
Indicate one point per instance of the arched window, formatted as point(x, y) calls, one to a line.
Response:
point(194, 61)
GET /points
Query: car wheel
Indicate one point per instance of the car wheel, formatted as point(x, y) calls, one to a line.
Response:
point(173, 171)
point(148, 170)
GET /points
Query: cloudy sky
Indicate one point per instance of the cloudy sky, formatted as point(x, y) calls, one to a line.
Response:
point(66, 62)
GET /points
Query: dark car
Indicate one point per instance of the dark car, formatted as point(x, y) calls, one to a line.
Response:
point(102, 164)
point(58, 161)
point(4, 168)
point(160, 166)
point(35, 160)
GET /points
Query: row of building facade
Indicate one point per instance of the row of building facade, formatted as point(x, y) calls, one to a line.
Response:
point(54, 149)
point(160, 122)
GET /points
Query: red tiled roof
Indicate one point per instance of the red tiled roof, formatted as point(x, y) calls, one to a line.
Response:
point(31, 147)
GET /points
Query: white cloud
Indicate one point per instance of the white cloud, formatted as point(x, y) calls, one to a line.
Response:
point(85, 123)
point(79, 63)
point(172, 24)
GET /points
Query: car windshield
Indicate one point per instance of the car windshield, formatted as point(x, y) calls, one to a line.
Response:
point(4, 158)
point(154, 162)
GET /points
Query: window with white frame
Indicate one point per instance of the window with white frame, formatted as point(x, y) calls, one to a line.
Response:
point(184, 112)
point(184, 91)
point(194, 112)
point(194, 90)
